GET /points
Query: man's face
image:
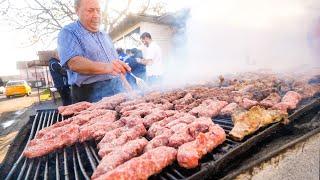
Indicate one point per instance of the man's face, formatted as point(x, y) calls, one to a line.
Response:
point(145, 41)
point(89, 14)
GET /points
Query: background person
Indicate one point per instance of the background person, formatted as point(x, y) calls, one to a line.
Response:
point(60, 79)
point(152, 58)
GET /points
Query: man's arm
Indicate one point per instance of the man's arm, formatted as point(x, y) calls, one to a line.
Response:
point(83, 65)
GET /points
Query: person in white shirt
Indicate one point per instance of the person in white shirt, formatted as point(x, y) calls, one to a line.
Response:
point(152, 58)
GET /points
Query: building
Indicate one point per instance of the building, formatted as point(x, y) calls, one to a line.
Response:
point(163, 30)
point(36, 71)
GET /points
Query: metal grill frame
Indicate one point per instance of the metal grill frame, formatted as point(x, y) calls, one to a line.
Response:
point(23, 167)
point(80, 160)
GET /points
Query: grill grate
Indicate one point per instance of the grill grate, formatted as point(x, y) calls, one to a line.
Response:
point(75, 162)
point(80, 160)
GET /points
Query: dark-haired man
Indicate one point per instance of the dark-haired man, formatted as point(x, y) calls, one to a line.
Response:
point(152, 58)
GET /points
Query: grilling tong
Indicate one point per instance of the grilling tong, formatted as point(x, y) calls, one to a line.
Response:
point(140, 82)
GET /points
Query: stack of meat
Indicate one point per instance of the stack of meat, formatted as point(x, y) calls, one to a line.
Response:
point(177, 123)
point(90, 121)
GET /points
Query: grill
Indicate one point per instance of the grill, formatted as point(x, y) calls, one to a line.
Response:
point(80, 160)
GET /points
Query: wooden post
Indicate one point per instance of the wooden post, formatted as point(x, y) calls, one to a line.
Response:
point(35, 71)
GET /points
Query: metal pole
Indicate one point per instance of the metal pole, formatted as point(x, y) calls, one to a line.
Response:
point(27, 71)
point(35, 71)
point(46, 67)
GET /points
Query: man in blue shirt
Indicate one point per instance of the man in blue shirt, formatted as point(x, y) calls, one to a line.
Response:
point(89, 55)
point(121, 54)
point(60, 80)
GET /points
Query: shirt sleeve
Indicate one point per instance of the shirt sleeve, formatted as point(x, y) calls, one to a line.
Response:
point(68, 46)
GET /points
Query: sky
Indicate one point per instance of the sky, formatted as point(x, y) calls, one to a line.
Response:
point(12, 49)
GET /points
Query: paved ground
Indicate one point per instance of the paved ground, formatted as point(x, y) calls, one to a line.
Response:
point(14, 113)
point(297, 163)
point(16, 103)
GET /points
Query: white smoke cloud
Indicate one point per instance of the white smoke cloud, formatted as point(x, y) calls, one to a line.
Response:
point(234, 36)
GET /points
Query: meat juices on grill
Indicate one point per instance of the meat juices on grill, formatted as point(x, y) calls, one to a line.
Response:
point(190, 153)
point(229, 109)
point(208, 108)
point(107, 116)
point(97, 130)
point(109, 102)
point(63, 136)
point(128, 104)
point(187, 119)
point(120, 155)
point(305, 89)
point(184, 133)
point(73, 108)
point(289, 101)
point(188, 107)
point(155, 116)
point(96, 127)
point(125, 124)
point(202, 124)
point(157, 127)
point(131, 134)
point(47, 131)
point(248, 103)
point(80, 128)
point(111, 135)
point(181, 135)
point(161, 140)
point(248, 122)
point(139, 112)
point(144, 166)
point(271, 100)
point(86, 116)
point(187, 99)
point(131, 121)
point(138, 106)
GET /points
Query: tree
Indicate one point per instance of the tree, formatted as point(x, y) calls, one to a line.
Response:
point(43, 19)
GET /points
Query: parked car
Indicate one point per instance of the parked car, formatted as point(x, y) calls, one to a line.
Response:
point(19, 87)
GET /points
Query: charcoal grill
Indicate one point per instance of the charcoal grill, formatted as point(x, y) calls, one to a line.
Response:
point(80, 160)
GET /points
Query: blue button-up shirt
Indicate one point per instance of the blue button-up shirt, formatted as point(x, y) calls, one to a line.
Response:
point(75, 40)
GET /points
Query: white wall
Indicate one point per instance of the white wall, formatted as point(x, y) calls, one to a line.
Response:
point(161, 34)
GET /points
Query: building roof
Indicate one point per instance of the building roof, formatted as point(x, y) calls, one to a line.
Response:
point(176, 19)
point(44, 57)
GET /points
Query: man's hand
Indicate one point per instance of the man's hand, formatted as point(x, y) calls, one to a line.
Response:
point(117, 67)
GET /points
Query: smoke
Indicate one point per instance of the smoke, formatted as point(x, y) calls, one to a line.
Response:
point(248, 35)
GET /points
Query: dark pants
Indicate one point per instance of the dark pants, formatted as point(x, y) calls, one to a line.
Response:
point(96, 91)
point(65, 95)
